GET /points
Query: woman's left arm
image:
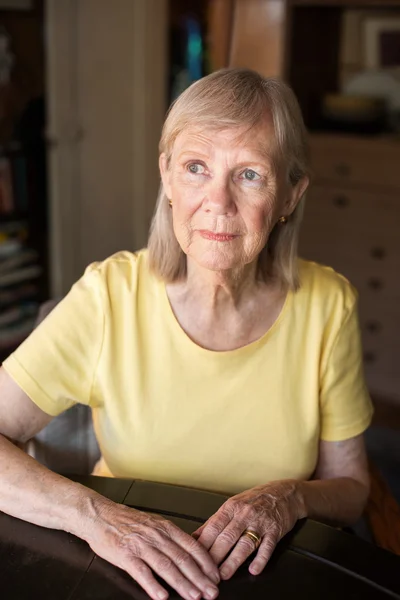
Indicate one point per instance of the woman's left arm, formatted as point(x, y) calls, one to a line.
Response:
point(337, 495)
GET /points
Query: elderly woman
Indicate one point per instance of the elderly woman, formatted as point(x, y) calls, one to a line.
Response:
point(215, 359)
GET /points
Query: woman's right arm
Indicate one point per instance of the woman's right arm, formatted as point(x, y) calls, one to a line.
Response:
point(132, 540)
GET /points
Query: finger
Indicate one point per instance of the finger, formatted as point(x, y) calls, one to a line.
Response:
point(142, 574)
point(165, 567)
point(196, 550)
point(214, 526)
point(241, 552)
point(189, 568)
point(264, 553)
point(227, 539)
point(196, 534)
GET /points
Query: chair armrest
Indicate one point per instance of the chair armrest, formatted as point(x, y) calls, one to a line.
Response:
point(383, 513)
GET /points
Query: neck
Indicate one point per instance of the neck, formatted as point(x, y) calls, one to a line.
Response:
point(219, 288)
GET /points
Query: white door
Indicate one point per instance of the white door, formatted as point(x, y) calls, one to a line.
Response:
point(106, 74)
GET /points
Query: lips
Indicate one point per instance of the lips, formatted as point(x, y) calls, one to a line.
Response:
point(217, 237)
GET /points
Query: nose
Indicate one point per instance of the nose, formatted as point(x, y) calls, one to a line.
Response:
point(219, 199)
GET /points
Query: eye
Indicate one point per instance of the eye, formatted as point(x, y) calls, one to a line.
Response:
point(250, 175)
point(196, 169)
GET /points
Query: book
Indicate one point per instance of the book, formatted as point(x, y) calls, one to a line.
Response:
point(6, 189)
point(14, 260)
point(18, 275)
point(20, 183)
point(17, 293)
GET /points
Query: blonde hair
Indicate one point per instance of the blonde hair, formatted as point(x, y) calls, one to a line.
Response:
point(232, 98)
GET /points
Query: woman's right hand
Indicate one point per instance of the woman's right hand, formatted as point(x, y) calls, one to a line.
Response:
point(140, 543)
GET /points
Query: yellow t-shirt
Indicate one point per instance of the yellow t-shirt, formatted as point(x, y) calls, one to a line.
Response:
point(167, 410)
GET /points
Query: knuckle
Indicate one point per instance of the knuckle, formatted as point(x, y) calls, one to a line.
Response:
point(215, 528)
point(156, 536)
point(258, 510)
point(194, 548)
point(164, 564)
point(244, 510)
point(141, 569)
point(129, 547)
point(247, 545)
point(268, 546)
point(235, 562)
point(273, 531)
point(182, 559)
point(166, 527)
point(228, 537)
point(229, 506)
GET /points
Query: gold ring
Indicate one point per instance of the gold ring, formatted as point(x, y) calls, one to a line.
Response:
point(253, 536)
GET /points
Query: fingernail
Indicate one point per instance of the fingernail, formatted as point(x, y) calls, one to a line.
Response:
point(211, 593)
point(163, 595)
point(195, 595)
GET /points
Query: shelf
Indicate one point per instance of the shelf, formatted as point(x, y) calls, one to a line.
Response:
point(14, 216)
point(381, 4)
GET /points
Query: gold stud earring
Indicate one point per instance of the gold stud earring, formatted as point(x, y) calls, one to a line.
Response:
point(170, 203)
point(283, 220)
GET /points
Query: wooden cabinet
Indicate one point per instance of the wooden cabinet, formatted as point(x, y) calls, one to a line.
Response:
point(257, 38)
point(351, 223)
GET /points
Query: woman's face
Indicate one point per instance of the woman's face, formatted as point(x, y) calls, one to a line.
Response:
point(226, 195)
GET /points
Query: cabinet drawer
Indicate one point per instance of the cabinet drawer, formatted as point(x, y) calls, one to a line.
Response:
point(356, 233)
point(355, 161)
point(350, 225)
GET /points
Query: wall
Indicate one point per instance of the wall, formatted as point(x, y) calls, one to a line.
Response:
point(107, 105)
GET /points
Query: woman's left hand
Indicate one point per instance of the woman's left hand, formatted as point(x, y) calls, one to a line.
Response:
point(269, 510)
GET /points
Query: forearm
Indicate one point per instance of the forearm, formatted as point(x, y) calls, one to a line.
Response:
point(337, 502)
point(33, 493)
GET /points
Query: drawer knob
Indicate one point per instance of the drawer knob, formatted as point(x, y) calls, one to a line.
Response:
point(341, 201)
point(373, 326)
point(342, 169)
point(369, 357)
point(375, 283)
point(378, 253)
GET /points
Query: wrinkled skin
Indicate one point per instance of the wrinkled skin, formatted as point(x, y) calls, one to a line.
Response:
point(270, 510)
point(144, 544)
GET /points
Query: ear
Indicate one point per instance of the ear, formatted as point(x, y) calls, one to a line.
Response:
point(165, 175)
point(295, 195)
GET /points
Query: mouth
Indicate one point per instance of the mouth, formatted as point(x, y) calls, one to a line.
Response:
point(217, 237)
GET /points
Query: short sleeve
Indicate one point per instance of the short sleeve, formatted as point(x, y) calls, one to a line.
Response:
point(57, 363)
point(345, 402)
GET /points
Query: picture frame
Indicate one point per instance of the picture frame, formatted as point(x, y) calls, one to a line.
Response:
point(381, 37)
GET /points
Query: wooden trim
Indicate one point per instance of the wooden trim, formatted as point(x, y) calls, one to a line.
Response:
point(82, 231)
point(220, 19)
point(258, 35)
point(150, 75)
point(383, 513)
point(63, 133)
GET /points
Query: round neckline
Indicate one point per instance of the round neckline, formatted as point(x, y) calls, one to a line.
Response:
point(187, 340)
